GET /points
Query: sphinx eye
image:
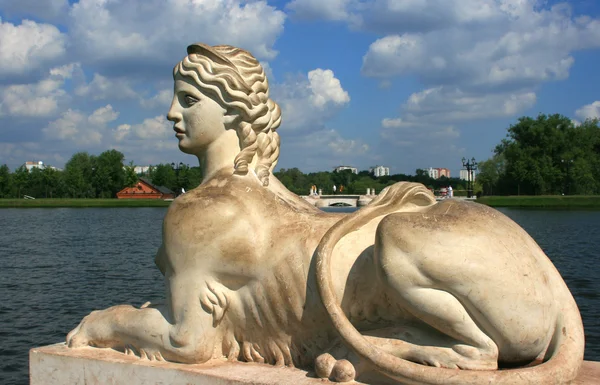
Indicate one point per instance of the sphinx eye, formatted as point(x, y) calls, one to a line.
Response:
point(190, 100)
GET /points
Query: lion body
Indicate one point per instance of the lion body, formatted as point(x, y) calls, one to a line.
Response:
point(260, 249)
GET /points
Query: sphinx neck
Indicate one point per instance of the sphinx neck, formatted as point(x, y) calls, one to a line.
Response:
point(219, 155)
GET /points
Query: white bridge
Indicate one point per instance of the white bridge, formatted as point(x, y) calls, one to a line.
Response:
point(339, 200)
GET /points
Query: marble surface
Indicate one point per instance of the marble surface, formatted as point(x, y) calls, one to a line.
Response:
point(57, 365)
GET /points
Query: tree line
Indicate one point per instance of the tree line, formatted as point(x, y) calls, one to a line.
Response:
point(102, 176)
point(547, 155)
point(296, 181)
point(91, 176)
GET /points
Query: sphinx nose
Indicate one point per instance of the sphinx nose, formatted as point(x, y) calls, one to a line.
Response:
point(173, 115)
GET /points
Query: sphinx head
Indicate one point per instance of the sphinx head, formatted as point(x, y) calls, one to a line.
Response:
point(238, 90)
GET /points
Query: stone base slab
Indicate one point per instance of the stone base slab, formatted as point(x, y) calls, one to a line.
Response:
point(59, 365)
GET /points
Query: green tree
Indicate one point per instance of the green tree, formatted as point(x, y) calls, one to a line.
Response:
point(422, 176)
point(78, 175)
point(131, 177)
point(193, 178)
point(294, 180)
point(35, 183)
point(533, 151)
point(5, 182)
point(52, 180)
point(490, 172)
point(164, 175)
point(20, 178)
point(109, 174)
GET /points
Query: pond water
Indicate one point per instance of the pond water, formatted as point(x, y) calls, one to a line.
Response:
point(59, 264)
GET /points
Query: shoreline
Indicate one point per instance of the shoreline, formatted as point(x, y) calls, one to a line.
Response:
point(537, 201)
point(81, 202)
point(543, 201)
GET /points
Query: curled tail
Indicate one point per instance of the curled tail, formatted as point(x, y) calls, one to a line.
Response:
point(564, 355)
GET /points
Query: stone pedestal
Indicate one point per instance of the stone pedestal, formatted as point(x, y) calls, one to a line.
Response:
point(58, 365)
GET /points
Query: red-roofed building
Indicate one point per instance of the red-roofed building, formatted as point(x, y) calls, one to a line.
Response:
point(143, 189)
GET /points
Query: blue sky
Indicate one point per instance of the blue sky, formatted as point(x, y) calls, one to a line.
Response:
point(402, 83)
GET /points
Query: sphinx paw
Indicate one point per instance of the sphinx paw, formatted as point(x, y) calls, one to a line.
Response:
point(326, 366)
point(80, 336)
point(149, 354)
point(96, 329)
point(214, 300)
point(75, 339)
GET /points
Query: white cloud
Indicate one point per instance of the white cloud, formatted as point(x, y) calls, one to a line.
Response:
point(162, 100)
point(326, 88)
point(101, 88)
point(28, 47)
point(442, 104)
point(308, 102)
point(106, 30)
point(342, 146)
point(122, 132)
point(430, 117)
point(152, 128)
point(318, 9)
point(475, 43)
point(18, 153)
point(103, 115)
point(589, 111)
point(507, 44)
point(323, 149)
point(405, 133)
point(76, 127)
point(477, 59)
point(40, 99)
point(150, 142)
point(67, 71)
point(157, 127)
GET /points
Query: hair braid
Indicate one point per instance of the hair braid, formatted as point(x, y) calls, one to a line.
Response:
point(248, 145)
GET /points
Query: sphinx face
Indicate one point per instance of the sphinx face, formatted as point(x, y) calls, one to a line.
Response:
point(198, 119)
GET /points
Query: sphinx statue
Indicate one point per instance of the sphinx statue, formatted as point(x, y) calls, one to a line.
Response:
point(404, 290)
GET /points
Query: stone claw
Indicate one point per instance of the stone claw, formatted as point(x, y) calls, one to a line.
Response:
point(214, 301)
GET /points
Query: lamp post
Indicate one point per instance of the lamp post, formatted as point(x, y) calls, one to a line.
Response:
point(470, 166)
point(177, 168)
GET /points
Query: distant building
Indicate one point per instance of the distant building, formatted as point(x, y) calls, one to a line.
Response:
point(39, 164)
point(342, 168)
point(444, 172)
point(437, 173)
point(433, 173)
point(141, 170)
point(380, 171)
point(31, 165)
point(143, 189)
point(464, 175)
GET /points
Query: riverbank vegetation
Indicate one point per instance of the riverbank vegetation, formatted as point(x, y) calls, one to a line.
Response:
point(351, 183)
point(81, 202)
point(547, 155)
point(88, 176)
point(543, 201)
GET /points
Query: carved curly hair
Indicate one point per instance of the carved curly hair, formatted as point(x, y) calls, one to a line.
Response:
point(237, 81)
